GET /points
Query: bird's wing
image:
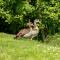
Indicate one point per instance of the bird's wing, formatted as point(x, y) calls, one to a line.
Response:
point(22, 32)
point(28, 34)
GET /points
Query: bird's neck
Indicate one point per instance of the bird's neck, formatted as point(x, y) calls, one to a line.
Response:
point(36, 27)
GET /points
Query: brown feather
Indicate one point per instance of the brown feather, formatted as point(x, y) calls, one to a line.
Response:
point(22, 32)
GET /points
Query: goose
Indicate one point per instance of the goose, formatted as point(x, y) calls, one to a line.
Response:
point(30, 32)
point(33, 31)
point(24, 31)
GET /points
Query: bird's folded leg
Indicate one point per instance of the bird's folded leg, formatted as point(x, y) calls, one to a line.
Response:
point(31, 37)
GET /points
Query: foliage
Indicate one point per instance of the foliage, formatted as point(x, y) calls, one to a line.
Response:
point(48, 12)
point(16, 13)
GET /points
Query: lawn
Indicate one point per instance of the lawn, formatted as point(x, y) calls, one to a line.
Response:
point(24, 49)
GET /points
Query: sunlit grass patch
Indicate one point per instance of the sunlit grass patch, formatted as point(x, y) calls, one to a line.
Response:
point(24, 49)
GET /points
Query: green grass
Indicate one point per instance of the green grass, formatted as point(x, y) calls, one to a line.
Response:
point(24, 49)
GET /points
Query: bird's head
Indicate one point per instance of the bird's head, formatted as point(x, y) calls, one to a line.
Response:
point(36, 22)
